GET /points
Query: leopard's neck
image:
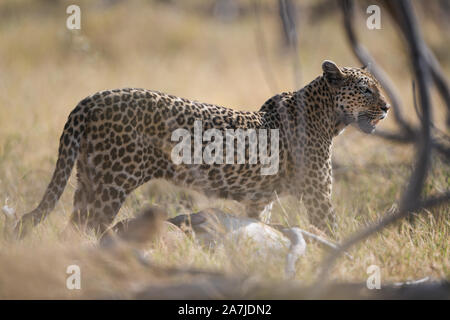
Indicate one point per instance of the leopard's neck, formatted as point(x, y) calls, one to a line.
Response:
point(311, 107)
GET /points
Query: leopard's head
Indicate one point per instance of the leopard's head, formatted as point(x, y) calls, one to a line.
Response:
point(356, 95)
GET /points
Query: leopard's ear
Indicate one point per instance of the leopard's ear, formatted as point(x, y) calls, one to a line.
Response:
point(332, 73)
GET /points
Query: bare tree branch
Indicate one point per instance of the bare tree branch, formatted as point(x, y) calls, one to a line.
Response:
point(440, 81)
point(433, 64)
point(288, 15)
point(388, 220)
point(410, 201)
point(408, 133)
point(419, 61)
point(261, 48)
point(365, 58)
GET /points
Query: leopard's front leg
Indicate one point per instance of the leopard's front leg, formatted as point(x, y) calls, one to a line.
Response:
point(320, 210)
point(317, 195)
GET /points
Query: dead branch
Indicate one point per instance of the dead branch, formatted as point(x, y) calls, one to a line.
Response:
point(365, 58)
point(261, 49)
point(388, 220)
point(439, 81)
point(410, 201)
point(222, 287)
point(408, 133)
point(418, 54)
point(288, 15)
point(437, 75)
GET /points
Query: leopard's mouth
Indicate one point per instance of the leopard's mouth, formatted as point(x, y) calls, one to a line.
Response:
point(375, 122)
point(368, 125)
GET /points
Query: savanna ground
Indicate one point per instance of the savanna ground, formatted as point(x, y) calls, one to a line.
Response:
point(184, 50)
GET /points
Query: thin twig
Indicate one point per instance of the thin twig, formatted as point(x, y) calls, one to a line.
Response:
point(324, 242)
point(288, 17)
point(261, 49)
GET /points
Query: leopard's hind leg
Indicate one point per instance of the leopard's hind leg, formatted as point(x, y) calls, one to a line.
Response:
point(98, 198)
point(103, 185)
point(104, 205)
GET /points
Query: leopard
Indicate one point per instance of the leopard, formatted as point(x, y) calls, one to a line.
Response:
point(120, 139)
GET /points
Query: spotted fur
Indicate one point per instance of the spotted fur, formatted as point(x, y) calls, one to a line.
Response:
point(120, 139)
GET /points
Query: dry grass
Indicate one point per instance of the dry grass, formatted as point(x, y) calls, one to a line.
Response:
point(45, 70)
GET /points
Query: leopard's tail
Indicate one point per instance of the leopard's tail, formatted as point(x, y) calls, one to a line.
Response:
point(69, 145)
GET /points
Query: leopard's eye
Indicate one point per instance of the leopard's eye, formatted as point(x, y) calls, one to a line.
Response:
point(366, 90)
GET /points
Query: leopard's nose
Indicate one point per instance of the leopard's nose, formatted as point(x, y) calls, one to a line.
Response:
point(385, 107)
